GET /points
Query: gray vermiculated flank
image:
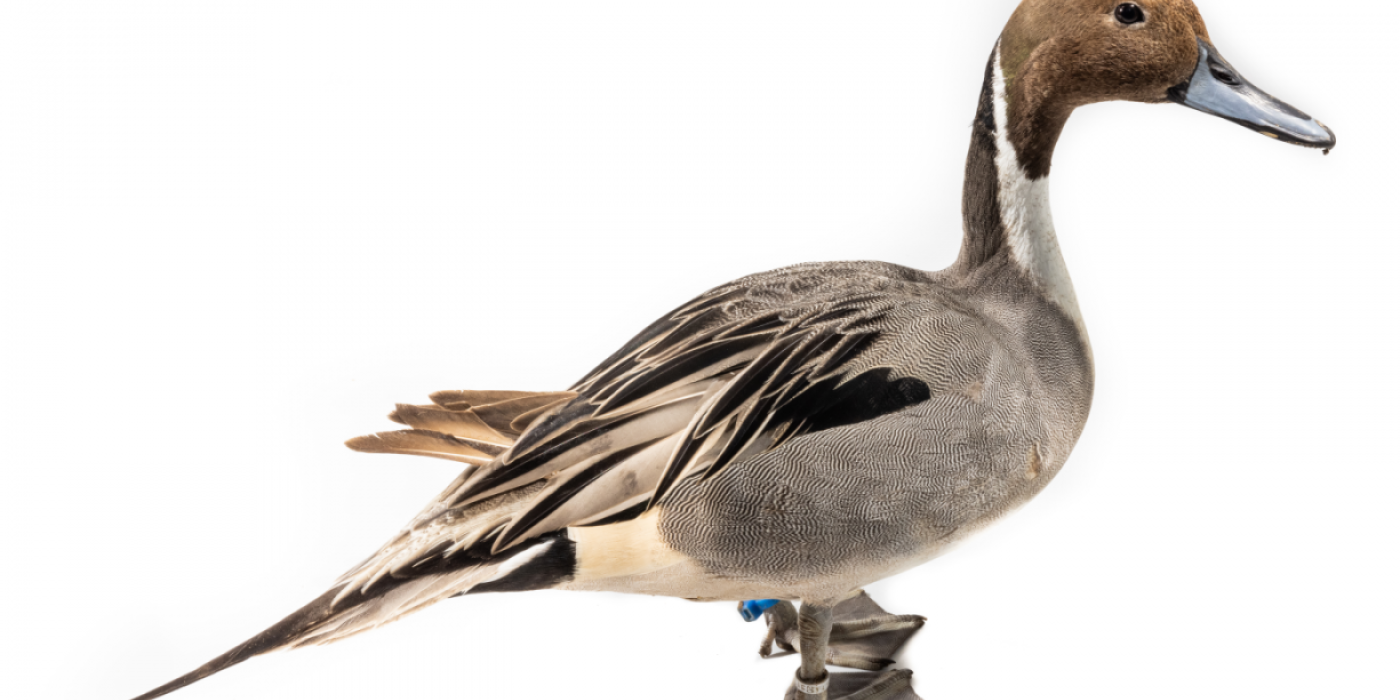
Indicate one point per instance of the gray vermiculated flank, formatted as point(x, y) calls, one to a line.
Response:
point(845, 506)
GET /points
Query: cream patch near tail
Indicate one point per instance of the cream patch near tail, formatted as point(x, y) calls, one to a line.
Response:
point(628, 548)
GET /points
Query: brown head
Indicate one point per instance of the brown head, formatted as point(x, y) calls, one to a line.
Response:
point(1056, 55)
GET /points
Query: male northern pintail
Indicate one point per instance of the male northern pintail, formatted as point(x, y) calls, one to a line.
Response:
point(801, 433)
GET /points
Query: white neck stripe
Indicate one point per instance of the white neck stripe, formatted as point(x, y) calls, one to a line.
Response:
point(1025, 213)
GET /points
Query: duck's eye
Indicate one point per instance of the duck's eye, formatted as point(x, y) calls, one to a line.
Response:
point(1129, 13)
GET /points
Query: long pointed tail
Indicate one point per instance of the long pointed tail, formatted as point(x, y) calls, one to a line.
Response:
point(344, 611)
point(278, 636)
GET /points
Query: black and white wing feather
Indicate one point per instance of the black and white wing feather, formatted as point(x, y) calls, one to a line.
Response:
point(736, 372)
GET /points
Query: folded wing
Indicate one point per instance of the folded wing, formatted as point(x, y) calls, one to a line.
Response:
point(723, 378)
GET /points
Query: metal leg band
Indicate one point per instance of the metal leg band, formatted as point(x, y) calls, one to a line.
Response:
point(812, 688)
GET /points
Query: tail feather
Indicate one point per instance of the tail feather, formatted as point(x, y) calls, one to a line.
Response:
point(434, 557)
point(338, 614)
point(271, 639)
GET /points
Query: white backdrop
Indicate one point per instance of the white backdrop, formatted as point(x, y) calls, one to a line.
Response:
point(236, 233)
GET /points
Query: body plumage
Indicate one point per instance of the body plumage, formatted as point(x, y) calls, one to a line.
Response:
point(801, 433)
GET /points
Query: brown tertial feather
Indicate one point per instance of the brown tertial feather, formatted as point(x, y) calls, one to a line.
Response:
point(464, 399)
point(502, 414)
point(427, 443)
point(523, 421)
point(466, 424)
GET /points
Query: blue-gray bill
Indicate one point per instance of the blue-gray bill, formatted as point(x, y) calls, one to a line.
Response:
point(1217, 88)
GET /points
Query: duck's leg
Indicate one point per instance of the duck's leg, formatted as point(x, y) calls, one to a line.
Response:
point(813, 682)
point(781, 619)
point(814, 630)
point(863, 635)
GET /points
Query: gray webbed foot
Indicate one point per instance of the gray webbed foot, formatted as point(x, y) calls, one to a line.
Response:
point(893, 684)
point(863, 635)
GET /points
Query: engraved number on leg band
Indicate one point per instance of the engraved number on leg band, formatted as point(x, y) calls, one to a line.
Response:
point(813, 688)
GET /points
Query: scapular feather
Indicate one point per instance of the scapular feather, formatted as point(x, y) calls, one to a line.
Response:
point(721, 379)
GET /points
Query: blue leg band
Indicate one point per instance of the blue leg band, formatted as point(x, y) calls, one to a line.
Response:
point(753, 609)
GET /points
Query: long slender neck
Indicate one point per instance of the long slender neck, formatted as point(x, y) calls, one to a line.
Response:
point(1006, 194)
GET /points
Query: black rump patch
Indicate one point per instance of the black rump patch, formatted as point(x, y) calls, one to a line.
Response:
point(552, 566)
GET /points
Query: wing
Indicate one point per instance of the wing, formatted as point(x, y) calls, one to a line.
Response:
point(740, 370)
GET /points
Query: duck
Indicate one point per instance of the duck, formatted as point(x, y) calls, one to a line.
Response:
point(801, 433)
